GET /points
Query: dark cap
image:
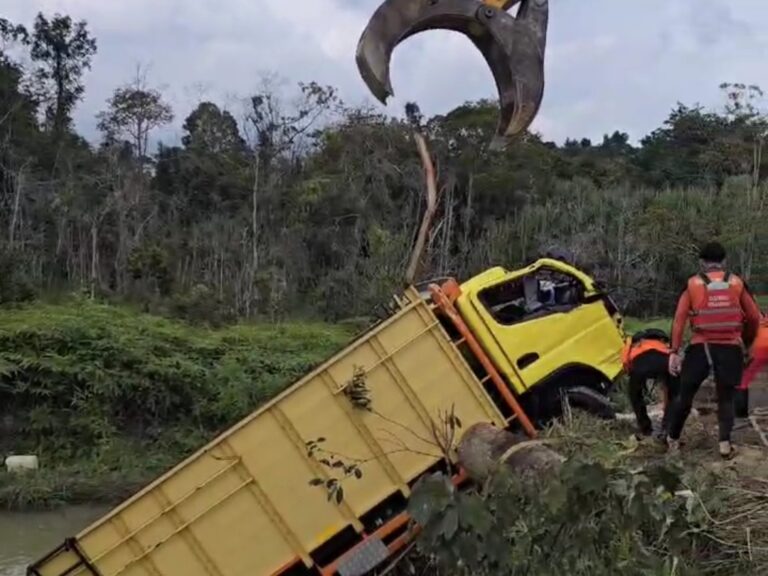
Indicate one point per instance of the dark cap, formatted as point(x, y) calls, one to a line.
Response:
point(712, 252)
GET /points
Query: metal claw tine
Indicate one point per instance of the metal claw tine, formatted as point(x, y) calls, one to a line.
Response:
point(535, 14)
point(513, 47)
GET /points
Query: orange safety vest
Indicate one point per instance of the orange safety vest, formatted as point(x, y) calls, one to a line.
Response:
point(632, 351)
point(716, 310)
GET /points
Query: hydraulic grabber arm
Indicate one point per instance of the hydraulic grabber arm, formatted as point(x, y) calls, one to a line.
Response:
point(513, 46)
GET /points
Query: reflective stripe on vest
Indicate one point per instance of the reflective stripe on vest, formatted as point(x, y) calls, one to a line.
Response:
point(716, 306)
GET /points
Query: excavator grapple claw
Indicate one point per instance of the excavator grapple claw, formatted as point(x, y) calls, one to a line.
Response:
point(513, 47)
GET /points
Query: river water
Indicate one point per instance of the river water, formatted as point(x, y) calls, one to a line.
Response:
point(26, 536)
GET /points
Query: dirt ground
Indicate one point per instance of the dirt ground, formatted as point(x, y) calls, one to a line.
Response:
point(750, 435)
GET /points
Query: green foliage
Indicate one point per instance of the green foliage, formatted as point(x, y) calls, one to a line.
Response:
point(200, 305)
point(592, 519)
point(336, 467)
point(77, 378)
point(149, 265)
point(14, 284)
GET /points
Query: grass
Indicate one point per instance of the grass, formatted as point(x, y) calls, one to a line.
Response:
point(109, 398)
point(633, 325)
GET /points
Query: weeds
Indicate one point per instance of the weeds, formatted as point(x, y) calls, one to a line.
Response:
point(615, 508)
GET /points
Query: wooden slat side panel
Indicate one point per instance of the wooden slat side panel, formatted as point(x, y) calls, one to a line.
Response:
point(58, 564)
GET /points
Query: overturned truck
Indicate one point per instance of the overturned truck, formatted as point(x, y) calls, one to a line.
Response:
point(504, 348)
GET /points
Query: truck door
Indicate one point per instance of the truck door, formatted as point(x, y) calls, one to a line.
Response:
point(545, 319)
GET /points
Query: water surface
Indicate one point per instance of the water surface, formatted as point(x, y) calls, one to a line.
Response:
point(26, 536)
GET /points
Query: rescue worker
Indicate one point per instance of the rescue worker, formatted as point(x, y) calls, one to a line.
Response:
point(758, 360)
point(723, 318)
point(646, 357)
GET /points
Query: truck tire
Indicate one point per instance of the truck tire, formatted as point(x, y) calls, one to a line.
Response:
point(590, 401)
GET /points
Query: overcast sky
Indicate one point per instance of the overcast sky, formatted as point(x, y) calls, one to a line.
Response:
point(611, 64)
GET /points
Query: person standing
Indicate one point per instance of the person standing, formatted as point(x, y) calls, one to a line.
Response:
point(758, 360)
point(724, 318)
point(646, 357)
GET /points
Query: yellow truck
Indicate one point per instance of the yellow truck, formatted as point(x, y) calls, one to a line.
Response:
point(263, 498)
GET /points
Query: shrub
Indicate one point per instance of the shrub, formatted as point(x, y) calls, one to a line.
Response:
point(591, 520)
point(79, 377)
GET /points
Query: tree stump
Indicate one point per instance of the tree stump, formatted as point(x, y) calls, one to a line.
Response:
point(484, 449)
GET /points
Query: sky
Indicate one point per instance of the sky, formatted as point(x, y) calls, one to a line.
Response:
point(610, 64)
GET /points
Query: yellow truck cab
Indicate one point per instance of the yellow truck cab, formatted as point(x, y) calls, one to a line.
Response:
point(547, 328)
point(501, 348)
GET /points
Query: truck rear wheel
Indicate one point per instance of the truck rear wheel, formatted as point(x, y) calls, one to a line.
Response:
point(590, 401)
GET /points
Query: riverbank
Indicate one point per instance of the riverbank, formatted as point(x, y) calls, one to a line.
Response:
point(109, 398)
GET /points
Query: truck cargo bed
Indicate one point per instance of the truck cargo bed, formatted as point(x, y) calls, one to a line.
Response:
point(243, 505)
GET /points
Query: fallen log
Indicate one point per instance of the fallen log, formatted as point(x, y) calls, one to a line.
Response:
point(484, 449)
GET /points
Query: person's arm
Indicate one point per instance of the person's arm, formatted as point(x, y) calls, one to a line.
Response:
point(678, 324)
point(752, 317)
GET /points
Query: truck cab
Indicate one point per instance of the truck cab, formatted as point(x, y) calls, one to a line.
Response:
point(547, 328)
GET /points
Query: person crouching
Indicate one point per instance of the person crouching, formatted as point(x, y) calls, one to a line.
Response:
point(646, 357)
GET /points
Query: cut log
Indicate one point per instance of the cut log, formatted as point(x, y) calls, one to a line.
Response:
point(484, 449)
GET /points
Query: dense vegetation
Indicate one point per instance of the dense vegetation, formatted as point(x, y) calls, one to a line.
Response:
point(613, 508)
point(298, 204)
point(98, 390)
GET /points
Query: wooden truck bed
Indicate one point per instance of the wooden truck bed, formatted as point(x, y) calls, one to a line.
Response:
point(243, 505)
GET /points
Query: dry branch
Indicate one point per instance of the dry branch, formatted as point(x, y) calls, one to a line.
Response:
point(429, 214)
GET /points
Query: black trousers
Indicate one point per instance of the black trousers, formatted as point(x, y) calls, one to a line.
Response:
point(728, 366)
point(651, 365)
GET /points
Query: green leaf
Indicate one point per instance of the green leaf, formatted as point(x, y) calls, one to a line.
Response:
point(431, 495)
point(474, 514)
point(556, 497)
point(339, 494)
point(450, 522)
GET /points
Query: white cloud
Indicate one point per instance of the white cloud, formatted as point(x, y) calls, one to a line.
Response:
point(611, 64)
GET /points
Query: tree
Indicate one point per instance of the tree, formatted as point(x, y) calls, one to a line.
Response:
point(17, 106)
point(212, 130)
point(63, 51)
point(749, 128)
point(687, 150)
point(210, 173)
point(134, 111)
point(10, 32)
point(18, 129)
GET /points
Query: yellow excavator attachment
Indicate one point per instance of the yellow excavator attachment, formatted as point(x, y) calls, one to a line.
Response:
point(513, 47)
